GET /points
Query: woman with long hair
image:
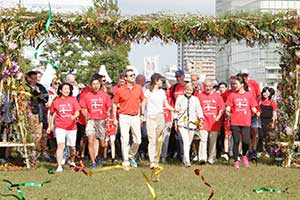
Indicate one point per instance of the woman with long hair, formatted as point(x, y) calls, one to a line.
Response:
point(239, 105)
point(268, 115)
point(66, 108)
point(155, 99)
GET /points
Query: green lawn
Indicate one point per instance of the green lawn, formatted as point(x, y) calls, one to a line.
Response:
point(176, 182)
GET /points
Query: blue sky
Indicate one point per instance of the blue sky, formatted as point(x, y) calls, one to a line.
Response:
point(167, 52)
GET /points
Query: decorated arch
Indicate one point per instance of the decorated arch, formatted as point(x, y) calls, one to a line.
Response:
point(20, 27)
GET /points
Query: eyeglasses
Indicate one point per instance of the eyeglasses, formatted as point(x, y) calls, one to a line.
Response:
point(131, 75)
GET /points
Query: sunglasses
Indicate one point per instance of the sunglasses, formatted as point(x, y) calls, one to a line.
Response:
point(131, 75)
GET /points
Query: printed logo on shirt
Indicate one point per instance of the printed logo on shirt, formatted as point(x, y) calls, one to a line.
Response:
point(65, 110)
point(241, 105)
point(209, 106)
point(96, 105)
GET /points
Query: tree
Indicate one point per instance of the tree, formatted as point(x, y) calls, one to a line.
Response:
point(84, 56)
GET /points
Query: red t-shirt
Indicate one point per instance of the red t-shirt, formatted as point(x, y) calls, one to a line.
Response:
point(254, 89)
point(226, 94)
point(111, 128)
point(224, 118)
point(64, 109)
point(241, 105)
point(167, 113)
point(211, 105)
point(96, 104)
point(179, 90)
point(270, 102)
point(129, 99)
point(81, 119)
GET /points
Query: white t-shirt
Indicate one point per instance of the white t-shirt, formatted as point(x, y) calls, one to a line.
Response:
point(155, 101)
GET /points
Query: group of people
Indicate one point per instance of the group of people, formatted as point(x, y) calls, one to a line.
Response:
point(192, 118)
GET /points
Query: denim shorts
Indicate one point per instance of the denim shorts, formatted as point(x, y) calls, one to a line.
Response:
point(255, 122)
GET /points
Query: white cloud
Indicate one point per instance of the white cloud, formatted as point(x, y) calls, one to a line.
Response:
point(206, 7)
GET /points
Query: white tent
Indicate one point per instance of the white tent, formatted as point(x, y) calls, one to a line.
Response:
point(103, 72)
point(48, 76)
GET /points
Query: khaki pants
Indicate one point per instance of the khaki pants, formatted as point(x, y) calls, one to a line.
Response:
point(35, 129)
point(126, 122)
point(212, 143)
point(155, 125)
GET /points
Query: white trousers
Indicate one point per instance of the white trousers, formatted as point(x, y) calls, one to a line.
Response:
point(202, 152)
point(187, 138)
point(126, 122)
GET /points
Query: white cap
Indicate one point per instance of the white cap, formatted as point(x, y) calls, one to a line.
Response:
point(244, 71)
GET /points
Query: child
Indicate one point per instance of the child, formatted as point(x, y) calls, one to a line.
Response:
point(268, 115)
point(111, 129)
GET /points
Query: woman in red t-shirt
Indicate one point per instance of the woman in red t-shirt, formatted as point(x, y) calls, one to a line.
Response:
point(66, 108)
point(268, 115)
point(238, 107)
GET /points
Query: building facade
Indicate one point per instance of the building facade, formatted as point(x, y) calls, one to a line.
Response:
point(197, 57)
point(62, 6)
point(262, 62)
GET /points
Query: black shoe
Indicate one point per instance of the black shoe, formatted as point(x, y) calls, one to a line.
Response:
point(141, 157)
point(202, 162)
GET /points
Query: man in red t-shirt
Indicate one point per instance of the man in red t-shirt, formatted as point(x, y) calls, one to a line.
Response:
point(128, 98)
point(172, 93)
point(96, 106)
point(253, 87)
point(213, 107)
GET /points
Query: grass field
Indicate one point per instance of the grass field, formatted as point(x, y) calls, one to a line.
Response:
point(176, 182)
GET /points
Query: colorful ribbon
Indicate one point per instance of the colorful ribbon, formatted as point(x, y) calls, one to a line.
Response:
point(49, 19)
point(50, 171)
point(80, 168)
point(108, 168)
point(12, 195)
point(54, 65)
point(17, 186)
point(212, 190)
point(26, 93)
point(36, 50)
point(269, 190)
point(197, 123)
point(152, 191)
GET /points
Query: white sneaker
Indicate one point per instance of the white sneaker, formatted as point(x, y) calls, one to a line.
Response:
point(188, 165)
point(126, 164)
point(195, 158)
point(59, 169)
point(210, 161)
point(152, 165)
point(225, 156)
point(63, 161)
point(71, 163)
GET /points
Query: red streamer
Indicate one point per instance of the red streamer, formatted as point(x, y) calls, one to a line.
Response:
point(80, 168)
point(212, 190)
